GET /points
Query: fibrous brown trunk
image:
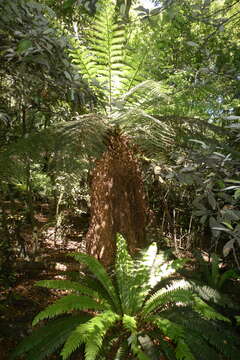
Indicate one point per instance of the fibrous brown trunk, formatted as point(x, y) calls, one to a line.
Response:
point(118, 202)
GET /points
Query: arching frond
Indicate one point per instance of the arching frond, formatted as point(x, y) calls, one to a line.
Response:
point(44, 340)
point(70, 143)
point(91, 333)
point(165, 297)
point(69, 285)
point(206, 310)
point(99, 271)
point(205, 334)
point(177, 334)
point(66, 304)
point(152, 135)
point(105, 62)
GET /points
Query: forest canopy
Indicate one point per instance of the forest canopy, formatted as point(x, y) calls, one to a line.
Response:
point(119, 120)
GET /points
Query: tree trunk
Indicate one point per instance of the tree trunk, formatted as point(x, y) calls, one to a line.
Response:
point(118, 202)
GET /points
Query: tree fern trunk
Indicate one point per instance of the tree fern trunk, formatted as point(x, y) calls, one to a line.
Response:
point(118, 202)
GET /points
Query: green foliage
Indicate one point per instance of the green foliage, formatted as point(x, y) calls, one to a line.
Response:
point(104, 63)
point(45, 340)
point(210, 271)
point(133, 305)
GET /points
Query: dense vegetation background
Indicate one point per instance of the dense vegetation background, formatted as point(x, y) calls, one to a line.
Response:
point(117, 118)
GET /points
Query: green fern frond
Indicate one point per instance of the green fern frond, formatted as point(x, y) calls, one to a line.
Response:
point(82, 137)
point(127, 278)
point(68, 285)
point(212, 333)
point(177, 334)
point(218, 338)
point(165, 297)
point(91, 333)
point(99, 271)
point(98, 328)
point(66, 304)
point(46, 339)
point(153, 136)
point(94, 284)
point(206, 310)
point(167, 349)
point(211, 295)
point(200, 348)
point(130, 324)
point(105, 61)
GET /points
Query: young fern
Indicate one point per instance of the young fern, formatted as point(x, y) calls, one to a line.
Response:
point(131, 316)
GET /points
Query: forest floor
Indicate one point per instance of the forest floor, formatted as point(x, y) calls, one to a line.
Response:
point(20, 302)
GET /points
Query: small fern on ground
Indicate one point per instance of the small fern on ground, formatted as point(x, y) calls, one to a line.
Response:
point(128, 314)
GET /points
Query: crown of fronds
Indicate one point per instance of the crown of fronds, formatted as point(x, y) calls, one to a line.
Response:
point(127, 313)
point(104, 61)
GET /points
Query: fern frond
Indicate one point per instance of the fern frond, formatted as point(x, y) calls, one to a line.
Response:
point(222, 340)
point(99, 271)
point(82, 137)
point(95, 285)
point(207, 311)
point(167, 350)
point(128, 279)
point(46, 339)
point(165, 297)
point(200, 348)
point(66, 304)
point(91, 333)
point(130, 324)
point(153, 136)
point(68, 285)
point(176, 333)
point(212, 333)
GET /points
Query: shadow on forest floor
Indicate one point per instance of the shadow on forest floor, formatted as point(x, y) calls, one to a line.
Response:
point(23, 300)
